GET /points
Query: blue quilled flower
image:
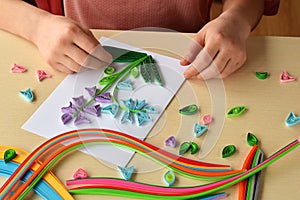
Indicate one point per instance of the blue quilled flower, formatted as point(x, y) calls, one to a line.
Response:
point(137, 110)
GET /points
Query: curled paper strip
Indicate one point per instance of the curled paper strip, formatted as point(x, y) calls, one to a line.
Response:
point(27, 95)
point(18, 68)
point(236, 111)
point(222, 174)
point(80, 173)
point(285, 77)
point(41, 75)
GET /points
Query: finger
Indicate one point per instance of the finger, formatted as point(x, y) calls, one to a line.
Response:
point(234, 64)
point(184, 62)
point(231, 67)
point(62, 68)
point(93, 63)
point(100, 53)
point(192, 51)
point(91, 45)
point(202, 61)
point(190, 72)
point(212, 71)
point(221, 59)
point(77, 54)
point(84, 59)
point(70, 64)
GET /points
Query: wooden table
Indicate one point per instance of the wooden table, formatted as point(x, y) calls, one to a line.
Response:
point(268, 102)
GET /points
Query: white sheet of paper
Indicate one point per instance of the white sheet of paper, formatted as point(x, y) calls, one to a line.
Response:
point(46, 121)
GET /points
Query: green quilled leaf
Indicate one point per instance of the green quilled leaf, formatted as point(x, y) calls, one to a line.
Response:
point(154, 70)
point(134, 72)
point(9, 155)
point(236, 111)
point(189, 110)
point(261, 75)
point(228, 151)
point(184, 147)
point(123, 55)
point(251, 139)
point(145, 72)
point(194, 148)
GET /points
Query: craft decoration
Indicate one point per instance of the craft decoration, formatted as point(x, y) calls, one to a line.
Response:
point(252, 139)
point(224, 176)
point(123, 55)
point(292, 120)
point(93, 90)
point(116, 79)
point(194, 148)
point(18, 68)
point(261, 75)
point(199, 129)
point(134, 72)
point(80, 173)
point(93, 109)
point(285, 77)
point(109, 70)
point(253, 181)
point(147, 65)
point(139, 190)
point(125, 85)
point(137, 109)
point(170, 142)
point(127, 117)
point(111, 109)
point(207, 119)
point(48, 187)
point(126, 172)
point(66, 118)
point(189, 110)
point(184, 147)
point(154, 70)
point(236, 111)
point(41, 75)
point(142, 117)
point(27, 95)
point(81, 119)
point(188, 146)
point(150, 109)
point(149, 71)
point(9, 155)
point(103, 98)
point(228, 151)
point(242, 186)
point(169, 178)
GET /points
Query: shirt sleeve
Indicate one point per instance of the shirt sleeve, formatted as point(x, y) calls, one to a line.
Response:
point(271, 7)
point(52, 6)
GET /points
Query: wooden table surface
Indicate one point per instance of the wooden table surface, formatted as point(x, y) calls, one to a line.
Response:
point(268, 104)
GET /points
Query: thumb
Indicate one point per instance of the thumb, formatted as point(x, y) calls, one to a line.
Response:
point(101, 54)
point(99, 58)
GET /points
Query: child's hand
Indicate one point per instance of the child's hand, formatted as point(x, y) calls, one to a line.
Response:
point(224, 48)
point(67, 46)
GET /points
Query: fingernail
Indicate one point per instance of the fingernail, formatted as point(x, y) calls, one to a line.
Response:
point(184, 62)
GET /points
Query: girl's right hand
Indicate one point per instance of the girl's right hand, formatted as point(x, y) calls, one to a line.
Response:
point(68, 46)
